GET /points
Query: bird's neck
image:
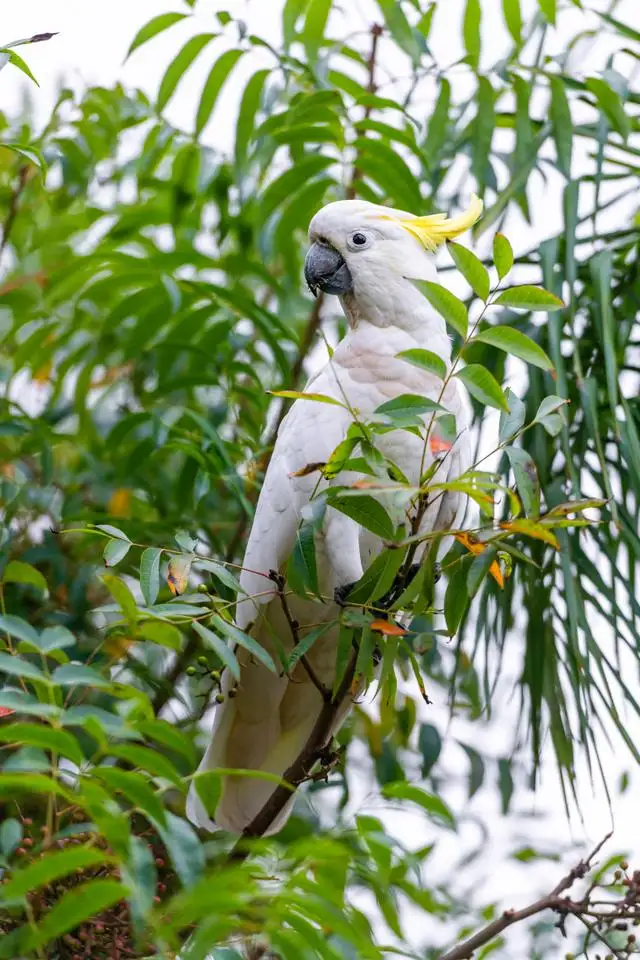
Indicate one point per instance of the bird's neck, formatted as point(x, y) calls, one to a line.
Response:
point(397, 303)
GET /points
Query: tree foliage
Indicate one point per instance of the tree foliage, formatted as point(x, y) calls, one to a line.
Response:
point(154, 331)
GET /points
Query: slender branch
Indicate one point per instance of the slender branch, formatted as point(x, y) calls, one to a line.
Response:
point(14, 202)
point(376, 33)
point(552, 901)
point(294, 627)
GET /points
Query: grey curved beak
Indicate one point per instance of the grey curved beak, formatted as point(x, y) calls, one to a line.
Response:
point(325, 269)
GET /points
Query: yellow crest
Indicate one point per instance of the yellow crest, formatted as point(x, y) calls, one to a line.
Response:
point(433, 230)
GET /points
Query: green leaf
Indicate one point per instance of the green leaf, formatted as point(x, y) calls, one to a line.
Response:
point(456, 599)
point(448, 305)
point(299, 395)
point(147, 759)
point(56, 638)
point(17, 61)
point(516, 344)
point(302, 571)
point(164, 634)
point(115, 551)
point(52, 866)
point(19, 628)
point(366, 511)
point(548, 406)
point(215, 81)
point(305, 645)
point(471, 269)
point(32, 154)
point(512, 420)
point(434, 806)
point(218, 645)
point(17, 667)
point(476, 771)
point(502, 255)
point(483, 386)
point(153, 28)
point(426, 360)
point(17, 784)
point(528, 297)
point(562, 125)
point(222, 573)
point(430, 746)
point(314, 26)
point(243, 639)
point(135, 787)
point(291, 13)
point(513, 19)
point(482, 136)
point(408, 403)
point(505, 783)
point(611, 105)
point(526, 476)
point(437, 127)
point(16, 571)
point(548, 10)
point(249, 106)
point(471, 31)
point(78, 674)
point(122, 595)
point(179, 65)
point(184, 848)
point(112, 531)
point(400, 29)
point(10, 837)
point(35, 735)
point(150, 574)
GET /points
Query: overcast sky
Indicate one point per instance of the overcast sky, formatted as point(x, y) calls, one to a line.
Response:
point(91, 47)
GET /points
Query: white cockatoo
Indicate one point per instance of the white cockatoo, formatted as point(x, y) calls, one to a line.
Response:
point(367, 255)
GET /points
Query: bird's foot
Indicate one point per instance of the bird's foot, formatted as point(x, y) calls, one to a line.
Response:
point(340, 594)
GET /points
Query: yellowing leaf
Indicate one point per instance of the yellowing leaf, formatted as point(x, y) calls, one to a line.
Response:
point(476, 547)
point(531, 529)
point(387, 628)
point(178, 574)
point(120, 503)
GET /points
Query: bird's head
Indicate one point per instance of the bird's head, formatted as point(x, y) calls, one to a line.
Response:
point(355, 244)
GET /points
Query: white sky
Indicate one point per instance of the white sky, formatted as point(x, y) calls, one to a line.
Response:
point(90, 49)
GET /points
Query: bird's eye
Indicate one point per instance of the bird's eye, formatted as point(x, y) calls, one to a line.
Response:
point(358, 240)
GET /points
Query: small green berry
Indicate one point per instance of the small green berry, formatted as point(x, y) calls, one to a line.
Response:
point(219, 698)
point(190, 671)
point(215, 676)
point(202, 661)
point(203, 588)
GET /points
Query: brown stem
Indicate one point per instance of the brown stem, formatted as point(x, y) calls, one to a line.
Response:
point(294, 627)
point(552, 901)
point(376, 33)
point(302, 765)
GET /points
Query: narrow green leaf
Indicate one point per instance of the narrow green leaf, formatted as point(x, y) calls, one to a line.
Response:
point(513, 19)
point(476, 771)
point(448, 305)
point(433, 805)
point(505, 783)
point(10, 837)
point(438, 122)
point(502, 255)
point(78, 674)
point(314, 26)
point(46, 738)
point(185, 850)
point(483, 128)
point(52, 866)
point(73, 908)
point(115, 551)
point(150, 574)
point(471, 31)
point(400, 29)
point(516, 344)
point(16, 571)
point(483, 386)
point(526, 476)
point(300, 395)
point(179, 65)
point(411, 403)
point(17, 61)
point(366, 511)
point(17, 667)
point(249, 106)
point(512, 420)
point(219, 647)
point(112, 531)
point(147, 759)
point(291, 13)
point(122, 595)
point(471, 269)
point(430, 746)
point(548, 10)
point(153, 28)
point(456, 598)
point(611, 105)
point(562, 124)
point(305, 645)
point(244, 640)
point(213, 85)
point(19, 628)
point(529, 298)
point(222, 573)
point(426, 360)
point(135, 787)
point(32, 154)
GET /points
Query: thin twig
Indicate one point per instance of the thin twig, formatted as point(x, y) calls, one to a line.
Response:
point(14, 202)
point(552, 901)
point(294, 627)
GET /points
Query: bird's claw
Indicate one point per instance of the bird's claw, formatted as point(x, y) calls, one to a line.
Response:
point(340, 594)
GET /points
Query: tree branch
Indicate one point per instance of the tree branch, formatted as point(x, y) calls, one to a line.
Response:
point(294, 627)
point(14, 202)
point(552, 901)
